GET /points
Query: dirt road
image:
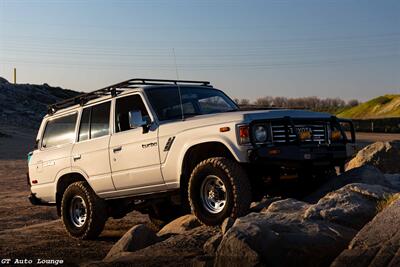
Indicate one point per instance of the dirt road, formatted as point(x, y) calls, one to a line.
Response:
point(33, 232)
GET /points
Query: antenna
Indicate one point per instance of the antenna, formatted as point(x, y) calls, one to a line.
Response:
point(179, 88)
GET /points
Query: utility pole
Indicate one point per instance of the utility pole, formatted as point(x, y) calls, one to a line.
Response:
point(15, 75)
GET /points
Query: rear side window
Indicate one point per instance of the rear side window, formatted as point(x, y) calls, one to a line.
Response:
point(84, 129)
point(95, 122)
point(59, 131)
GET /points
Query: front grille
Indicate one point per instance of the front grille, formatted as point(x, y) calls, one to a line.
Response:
point(284, 133)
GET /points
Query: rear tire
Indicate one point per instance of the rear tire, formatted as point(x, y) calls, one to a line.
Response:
point(219, 188)
point(83, 213)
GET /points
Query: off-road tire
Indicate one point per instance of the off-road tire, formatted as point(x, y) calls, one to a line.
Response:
point(237, 186)
point(96, 211)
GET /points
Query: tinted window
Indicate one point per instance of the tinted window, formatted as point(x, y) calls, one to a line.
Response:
point(100, 120)
point(60, 131)
point(122, 107)
point(84, 128)
point(214, 103)
point(196, 101)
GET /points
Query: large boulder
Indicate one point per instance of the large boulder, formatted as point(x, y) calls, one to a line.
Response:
point(377, 244)
point(282, 239)
point(138, 237)
point(352, 205)
point(383, 155)
point(295, 233)
point(175, 250)
point(180, 225)
point(365, 174)
point(394, 179)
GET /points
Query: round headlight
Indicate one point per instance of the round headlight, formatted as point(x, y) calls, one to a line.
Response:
point(260, 134)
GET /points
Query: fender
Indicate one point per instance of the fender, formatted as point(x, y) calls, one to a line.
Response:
point(172, 166)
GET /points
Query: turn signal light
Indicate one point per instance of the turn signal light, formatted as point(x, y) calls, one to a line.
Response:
point(224, 129)
point(274, 152)
point(244, 134)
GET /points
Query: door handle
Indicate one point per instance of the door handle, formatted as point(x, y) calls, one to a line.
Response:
point(76, 157)
point(117, 149)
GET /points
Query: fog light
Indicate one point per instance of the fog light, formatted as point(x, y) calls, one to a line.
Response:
point(336, 135)
point(305, 135)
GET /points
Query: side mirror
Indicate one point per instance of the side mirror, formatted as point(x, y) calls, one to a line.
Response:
point(137, 120)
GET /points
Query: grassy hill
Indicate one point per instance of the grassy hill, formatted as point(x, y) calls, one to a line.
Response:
point(380, 107)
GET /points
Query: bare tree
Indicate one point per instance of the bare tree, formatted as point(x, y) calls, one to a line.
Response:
point(353, 103)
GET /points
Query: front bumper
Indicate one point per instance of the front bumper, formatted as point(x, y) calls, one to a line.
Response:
point(292, 151)
point(296, 155)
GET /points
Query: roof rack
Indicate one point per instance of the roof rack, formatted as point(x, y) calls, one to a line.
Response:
point(117, 88)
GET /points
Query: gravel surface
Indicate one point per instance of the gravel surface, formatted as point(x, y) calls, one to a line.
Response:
point(35, 232)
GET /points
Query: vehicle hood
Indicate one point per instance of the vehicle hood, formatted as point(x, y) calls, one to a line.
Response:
point(236, 117)
point(248, 116)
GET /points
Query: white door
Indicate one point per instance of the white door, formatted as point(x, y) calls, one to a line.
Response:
point(90, 153)
point(134, 155)
point(54, 154)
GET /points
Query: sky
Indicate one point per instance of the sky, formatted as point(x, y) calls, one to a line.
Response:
point(343, 48)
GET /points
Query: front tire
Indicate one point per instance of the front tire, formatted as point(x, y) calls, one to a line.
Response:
point(83, 212)
point(219, 188)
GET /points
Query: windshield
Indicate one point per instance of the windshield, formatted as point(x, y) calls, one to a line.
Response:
point(195, 101)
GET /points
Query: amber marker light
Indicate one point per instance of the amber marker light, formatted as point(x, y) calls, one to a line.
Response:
point(305, 135)
point(224, 129)
point(274, 152)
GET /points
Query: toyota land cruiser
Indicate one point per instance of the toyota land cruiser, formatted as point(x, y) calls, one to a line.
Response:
point(156, 145)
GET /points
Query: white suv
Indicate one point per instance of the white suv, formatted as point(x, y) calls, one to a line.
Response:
point(162, 146)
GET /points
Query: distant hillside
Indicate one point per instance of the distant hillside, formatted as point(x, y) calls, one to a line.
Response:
point(24, 105)
point(380, 107)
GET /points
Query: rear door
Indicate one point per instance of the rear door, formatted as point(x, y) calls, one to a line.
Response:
point(134, 155)
point(90, 153)
point(53, 155)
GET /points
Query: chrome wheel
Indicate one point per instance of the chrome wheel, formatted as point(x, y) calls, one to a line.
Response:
point(213, 194)
point(78, 211)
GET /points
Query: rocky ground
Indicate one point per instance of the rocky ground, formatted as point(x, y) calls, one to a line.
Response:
point(352, 219)
point(31, 232)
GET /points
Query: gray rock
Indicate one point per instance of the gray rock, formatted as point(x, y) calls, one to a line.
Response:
point(176, 250)
point(180, 225)
point(203, 261)
point(138, 237)
point(276, 238)
point(377, 244)
point(263, 204)
point(211, 245)
point(394, 179)
point(352, 206)
point(365, 174)
point(287, 206)
point(226, 224)
point(383, 155)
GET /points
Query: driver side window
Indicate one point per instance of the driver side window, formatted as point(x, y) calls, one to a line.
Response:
point(123, 106)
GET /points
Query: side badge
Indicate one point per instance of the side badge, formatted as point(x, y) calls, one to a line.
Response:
point(169, 144)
